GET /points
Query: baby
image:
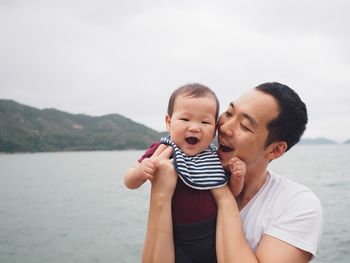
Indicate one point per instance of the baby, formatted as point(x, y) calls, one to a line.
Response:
point(191, 119)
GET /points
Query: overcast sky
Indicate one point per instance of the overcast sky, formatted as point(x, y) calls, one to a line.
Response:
point(126, 57)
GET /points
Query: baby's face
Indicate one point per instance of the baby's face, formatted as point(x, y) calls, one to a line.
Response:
point(192, 125)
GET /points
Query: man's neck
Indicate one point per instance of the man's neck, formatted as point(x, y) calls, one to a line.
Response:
point(252, 185)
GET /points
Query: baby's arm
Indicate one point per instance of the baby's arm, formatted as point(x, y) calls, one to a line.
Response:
point(238, 171)
point(139, 173)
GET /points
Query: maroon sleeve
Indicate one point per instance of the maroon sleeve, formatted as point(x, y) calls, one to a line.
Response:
point(150, 151)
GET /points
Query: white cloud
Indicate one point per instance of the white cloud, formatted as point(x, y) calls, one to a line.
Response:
point(100, 57)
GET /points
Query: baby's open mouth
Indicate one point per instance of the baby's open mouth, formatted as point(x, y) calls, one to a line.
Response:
point(192, 140)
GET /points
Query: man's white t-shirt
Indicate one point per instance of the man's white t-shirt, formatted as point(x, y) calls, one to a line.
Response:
point(285, 210)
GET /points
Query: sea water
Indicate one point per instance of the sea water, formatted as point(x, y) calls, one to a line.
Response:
point(73, 206)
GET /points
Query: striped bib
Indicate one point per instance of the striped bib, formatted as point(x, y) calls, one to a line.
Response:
point(202, 171)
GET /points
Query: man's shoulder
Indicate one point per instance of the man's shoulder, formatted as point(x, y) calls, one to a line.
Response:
point(294, 193)
point(278, 181)
point(297, 215)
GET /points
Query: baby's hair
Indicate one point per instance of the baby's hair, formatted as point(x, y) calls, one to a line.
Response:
point(193, 90)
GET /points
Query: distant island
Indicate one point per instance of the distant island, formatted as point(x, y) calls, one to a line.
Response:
point(28, 129)
point(316, 141)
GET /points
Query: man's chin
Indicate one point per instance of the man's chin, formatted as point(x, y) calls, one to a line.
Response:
point(226, 167)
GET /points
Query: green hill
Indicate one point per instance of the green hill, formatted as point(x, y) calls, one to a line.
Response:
point(27, 129)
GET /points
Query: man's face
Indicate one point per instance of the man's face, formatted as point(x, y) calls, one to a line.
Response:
point(242, 130)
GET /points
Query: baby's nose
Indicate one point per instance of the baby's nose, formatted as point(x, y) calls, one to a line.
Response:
point(194, 127)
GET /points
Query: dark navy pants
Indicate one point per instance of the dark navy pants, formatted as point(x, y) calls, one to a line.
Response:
point(195, 243)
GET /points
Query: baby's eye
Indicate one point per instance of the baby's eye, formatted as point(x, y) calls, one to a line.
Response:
point(184, 119)
point(206, 122)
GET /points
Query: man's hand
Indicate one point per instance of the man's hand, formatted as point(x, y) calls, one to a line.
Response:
point(165, 178)
point(159, 243)
point(222, 195)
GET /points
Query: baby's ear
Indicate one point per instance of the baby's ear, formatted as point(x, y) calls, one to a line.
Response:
point(167, 122)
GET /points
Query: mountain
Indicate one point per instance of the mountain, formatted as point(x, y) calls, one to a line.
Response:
point(316, 141)
point(347, 142)
point(28, 129)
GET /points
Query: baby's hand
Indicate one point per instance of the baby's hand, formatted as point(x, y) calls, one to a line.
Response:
point(238, 171)
point(237, 167)
point(146, 169)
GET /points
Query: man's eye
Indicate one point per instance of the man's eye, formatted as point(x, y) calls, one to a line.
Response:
point(228, 114)
point(245, 128)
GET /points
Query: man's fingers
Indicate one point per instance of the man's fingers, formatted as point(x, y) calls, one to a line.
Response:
point(159, 150)
point(166, 153)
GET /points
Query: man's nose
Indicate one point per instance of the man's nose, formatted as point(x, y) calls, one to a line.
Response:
point(227, 128)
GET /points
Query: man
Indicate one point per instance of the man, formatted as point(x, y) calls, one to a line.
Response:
point(273, 219)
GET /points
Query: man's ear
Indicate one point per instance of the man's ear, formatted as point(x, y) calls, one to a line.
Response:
point(167, 122)
point(276, 149)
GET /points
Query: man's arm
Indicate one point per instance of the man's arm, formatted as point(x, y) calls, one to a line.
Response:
point(159, 244)
point(231, 245)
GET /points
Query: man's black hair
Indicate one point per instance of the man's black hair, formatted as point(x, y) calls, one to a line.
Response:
point(291, 121)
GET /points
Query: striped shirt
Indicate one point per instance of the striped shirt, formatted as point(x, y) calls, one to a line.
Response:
point(202, 171)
